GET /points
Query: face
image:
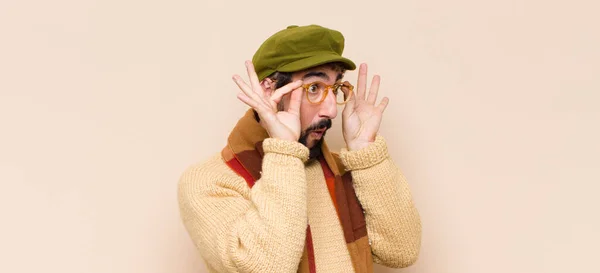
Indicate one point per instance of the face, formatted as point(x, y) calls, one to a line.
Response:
point(315, 119)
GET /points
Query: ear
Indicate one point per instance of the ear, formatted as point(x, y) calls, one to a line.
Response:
point(268, 86)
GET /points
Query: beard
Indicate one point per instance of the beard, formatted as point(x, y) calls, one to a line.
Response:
point(315, 150)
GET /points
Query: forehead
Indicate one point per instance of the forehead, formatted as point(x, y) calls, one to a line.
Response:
point(323, 72)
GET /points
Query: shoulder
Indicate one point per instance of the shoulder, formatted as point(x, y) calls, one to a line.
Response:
point(210, 178)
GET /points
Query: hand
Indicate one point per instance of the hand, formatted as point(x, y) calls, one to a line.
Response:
point(279, 124)
point(361, 118)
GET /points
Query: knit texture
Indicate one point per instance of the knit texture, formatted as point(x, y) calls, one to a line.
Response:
point(262, 228)
point(271, 145)
point(238, 229)
point(331, 253)
point(244, 155)
point(366, 157)
point(393, 222)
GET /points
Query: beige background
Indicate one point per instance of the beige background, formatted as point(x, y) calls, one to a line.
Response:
point(493, 117)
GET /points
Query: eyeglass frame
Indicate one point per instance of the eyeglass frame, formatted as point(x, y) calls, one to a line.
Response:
point(346, 84)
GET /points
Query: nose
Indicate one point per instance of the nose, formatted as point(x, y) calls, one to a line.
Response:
point(328, 107)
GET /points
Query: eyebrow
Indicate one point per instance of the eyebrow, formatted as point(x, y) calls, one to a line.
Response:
point(321, 75)
point(315, 74)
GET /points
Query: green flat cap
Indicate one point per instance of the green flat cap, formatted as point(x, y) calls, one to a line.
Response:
point(300, 47)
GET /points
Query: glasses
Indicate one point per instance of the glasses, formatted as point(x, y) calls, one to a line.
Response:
point(316, 92)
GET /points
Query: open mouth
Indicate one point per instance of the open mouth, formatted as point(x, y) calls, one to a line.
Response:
point(318, 132)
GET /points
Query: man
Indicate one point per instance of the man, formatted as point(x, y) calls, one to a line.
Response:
point(276, 199)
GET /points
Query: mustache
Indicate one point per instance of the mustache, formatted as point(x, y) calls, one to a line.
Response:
point(322, 124)
point(316, 150)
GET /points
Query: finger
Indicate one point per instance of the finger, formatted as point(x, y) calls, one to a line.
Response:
point(253, 78)
point(255, 84)
point(243, 86)
point(362, 82)
point(350, 104)
point(247, 100)
point(262, 111)
point(383, 104)
point(295, 101)
point(278, 94)
point(348, 108)
point(374, 90)
point(249, 92)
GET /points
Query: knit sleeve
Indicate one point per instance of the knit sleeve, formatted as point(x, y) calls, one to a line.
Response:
point(238, 229)
point(393, 222)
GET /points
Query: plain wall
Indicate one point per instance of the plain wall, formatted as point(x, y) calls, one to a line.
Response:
point(493, 117)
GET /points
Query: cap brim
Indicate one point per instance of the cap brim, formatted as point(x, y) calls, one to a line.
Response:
point(316, 61)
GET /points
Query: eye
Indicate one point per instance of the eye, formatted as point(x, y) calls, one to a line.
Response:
point(313, 88)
